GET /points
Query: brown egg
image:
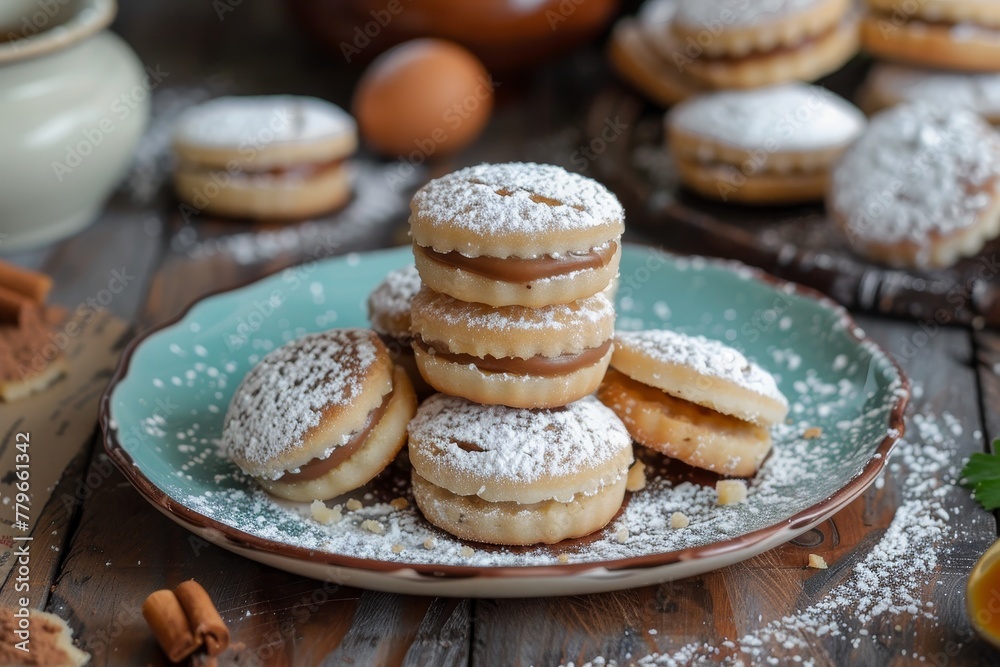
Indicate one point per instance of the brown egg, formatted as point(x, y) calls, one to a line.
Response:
point(423, 99)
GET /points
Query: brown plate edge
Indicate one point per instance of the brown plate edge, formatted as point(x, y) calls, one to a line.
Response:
point(857, 485)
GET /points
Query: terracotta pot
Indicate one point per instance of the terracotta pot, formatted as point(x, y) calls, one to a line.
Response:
point(74, 100)
point(506, 34)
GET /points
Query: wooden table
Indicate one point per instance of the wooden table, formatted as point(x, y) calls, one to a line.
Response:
point(282, 619)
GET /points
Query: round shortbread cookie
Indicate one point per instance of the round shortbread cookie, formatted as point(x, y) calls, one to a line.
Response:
point(736, 28)
point(984, 12)
point(263, 196)
point(390, 302)
point(521, 210)
point(312, 408)
point(733, 185)
point(511, 523)
point(703, 371)
point(685, 431)
point(794, 127)
point(813, 59)
point(380, 446)
point(512, 455)
point(920, 188)
point(961, 46)
point(261, 133)
point(639, 63)
point(889, 84)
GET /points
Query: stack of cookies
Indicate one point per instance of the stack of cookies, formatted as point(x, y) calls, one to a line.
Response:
point(513, 326)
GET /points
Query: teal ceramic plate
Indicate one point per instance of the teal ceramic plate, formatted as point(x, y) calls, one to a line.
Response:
point(163, 412)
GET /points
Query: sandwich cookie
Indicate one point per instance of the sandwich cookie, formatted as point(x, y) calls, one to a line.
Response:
point(320, 416)
point(641, 50)
point(513, 355)
point(516, 477)
point(742, 44)
point(693, 399)
point(769, 146)
point(389, 314)
point(516, 234)
point(889, 84)
point(264, 158)
point(950, 34)
point(921, 188)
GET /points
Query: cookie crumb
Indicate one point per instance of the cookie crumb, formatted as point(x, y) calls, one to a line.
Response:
point(467, 552)
point(373, 526)
point(679, 520)
point(731, 491)
point(397, 548)
point(430, 543)
point(323, 514)
point(812, 433)
point(622, 535)
point(354, 504)
point(636, 480)
point(563, 558)
point(399, 503)
point(817, 561)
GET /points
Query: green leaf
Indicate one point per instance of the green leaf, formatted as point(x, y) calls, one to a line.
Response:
point(982, 467)
point(987, 494)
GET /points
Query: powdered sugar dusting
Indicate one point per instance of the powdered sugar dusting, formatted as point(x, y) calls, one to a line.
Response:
point(794, 117)
point(392, 298)
point(918, 171)
point(518, 445)
point(501, 200)
point(978, 92)
point(264, 120)
point(703, 355)
point(707, 13)
point(284, 396)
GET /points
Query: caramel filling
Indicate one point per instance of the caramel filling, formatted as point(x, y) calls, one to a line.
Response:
point(934, 23)
point(298, 171)
point(518, 270)
point(536, 365)
point(778, 51)
point(318, 467)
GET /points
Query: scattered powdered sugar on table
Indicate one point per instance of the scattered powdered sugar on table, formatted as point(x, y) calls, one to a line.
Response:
point(882, 587)
point(519, 198)
point(789, 118)
point(707, 14)
point(703, 355)
point(285, 395)
point(918, 172)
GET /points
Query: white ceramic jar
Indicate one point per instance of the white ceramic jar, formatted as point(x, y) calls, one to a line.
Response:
point(74, 100)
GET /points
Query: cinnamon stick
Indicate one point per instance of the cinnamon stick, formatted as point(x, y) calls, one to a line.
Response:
point(203, 617)
point(31, 284)
point(165, 616)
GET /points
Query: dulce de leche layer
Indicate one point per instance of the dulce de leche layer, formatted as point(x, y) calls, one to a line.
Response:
point(536, 365)
point(318, 467)
point(518, 270)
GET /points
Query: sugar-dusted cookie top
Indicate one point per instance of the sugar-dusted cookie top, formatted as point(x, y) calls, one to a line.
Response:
point(520, 209)
point(507, 454)
point(978, 92)
point(389, 303)
point(920, 172)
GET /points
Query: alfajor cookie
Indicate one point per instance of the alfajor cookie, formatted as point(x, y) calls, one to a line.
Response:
point(319, 416)
point(516, 477)
point(513, 355)
point(389, 314)
point(516, 234)
point(950, 34)
point(743, 44)
point(264, 158)
point(693, 399)
point(641, 50)
point(921, 188)
point(889, 84)
point(768, 146)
